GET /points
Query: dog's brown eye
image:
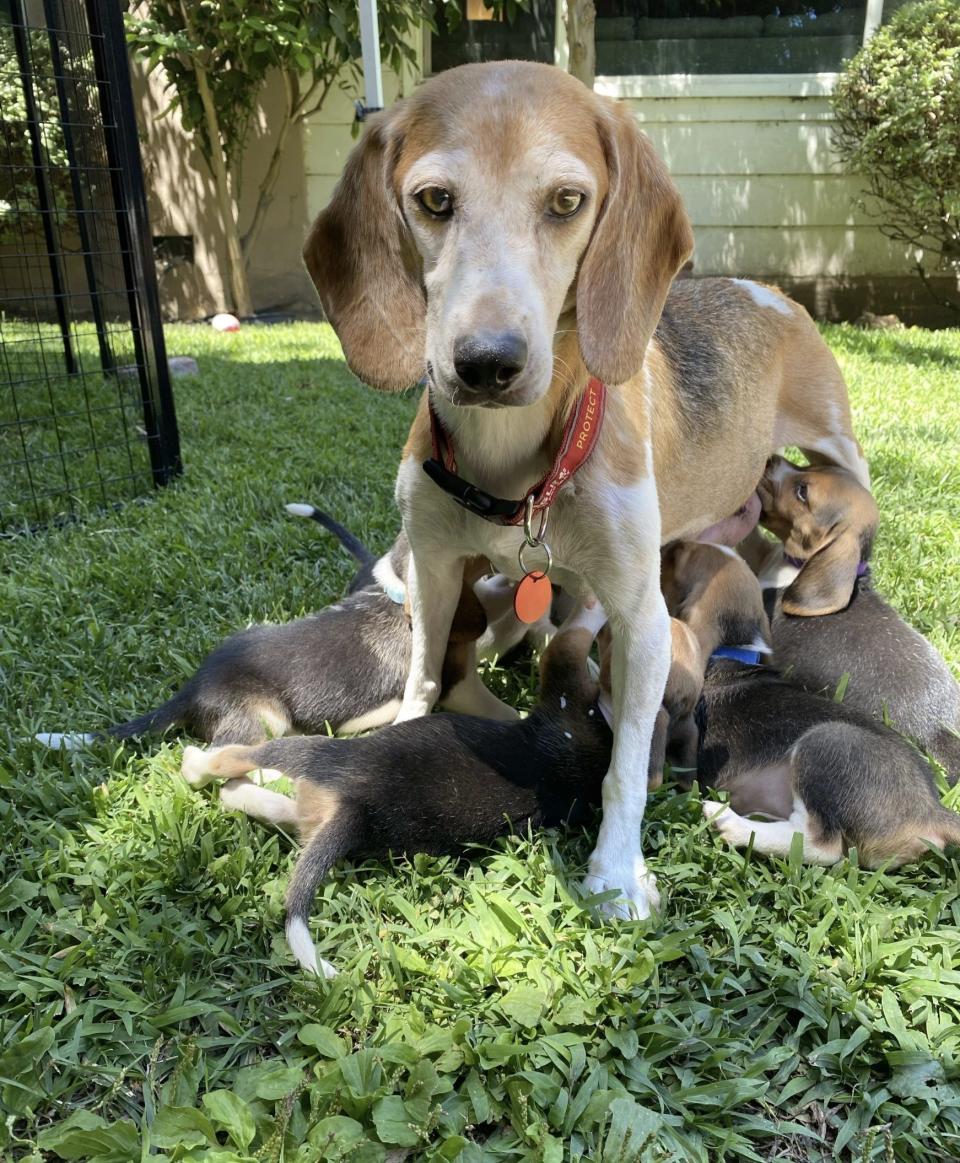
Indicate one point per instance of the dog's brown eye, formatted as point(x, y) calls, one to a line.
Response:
point(436, 201)
point(801, 491)
point(565, 202)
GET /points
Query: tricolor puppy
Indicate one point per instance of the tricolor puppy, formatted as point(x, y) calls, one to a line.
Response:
point(343, 668)
point(515, 235)
point(432, 785)
point(827, 521)
point(710, 611)
point(809, 764)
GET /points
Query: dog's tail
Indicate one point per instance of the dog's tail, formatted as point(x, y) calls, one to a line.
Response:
point(330, 842)
point(353, 545)
point(172, 713)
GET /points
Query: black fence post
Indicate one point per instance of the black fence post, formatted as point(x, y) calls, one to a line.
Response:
point(108, 41)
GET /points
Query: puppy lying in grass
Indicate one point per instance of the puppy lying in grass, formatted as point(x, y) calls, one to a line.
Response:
point(431, 784)
point(821, 768)
point(343, 668)
point(828, 621)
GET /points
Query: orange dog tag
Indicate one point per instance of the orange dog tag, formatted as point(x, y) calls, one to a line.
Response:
point(533, 597)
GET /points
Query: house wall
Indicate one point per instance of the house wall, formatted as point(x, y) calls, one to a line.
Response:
point(182, 203)
point(753, 160)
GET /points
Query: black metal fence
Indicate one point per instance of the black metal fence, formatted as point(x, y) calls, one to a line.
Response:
point(86, 410)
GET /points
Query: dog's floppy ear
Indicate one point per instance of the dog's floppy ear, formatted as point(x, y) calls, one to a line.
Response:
point(640, 240)
point(365, 267)
point(825, 584)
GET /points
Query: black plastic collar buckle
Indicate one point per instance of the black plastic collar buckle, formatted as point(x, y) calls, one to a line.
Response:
point(474, 500)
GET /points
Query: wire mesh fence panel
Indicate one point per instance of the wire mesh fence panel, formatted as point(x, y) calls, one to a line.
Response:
point(86, 411)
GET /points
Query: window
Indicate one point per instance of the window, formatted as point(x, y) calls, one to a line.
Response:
point(480, 36)
point(726, 36)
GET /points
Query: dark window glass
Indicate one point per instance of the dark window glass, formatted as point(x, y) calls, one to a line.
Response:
point(481, 37)
point(726, 36)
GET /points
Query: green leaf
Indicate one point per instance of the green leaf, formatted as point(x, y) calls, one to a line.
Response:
point(392, 1121)
point(84, 1135)
point(339, 1138)
point(322, 1038)
point(20, 1067)
point(277, 1081)
point(16, 893)
point(625, 1040)
point(632, 1127)
point(23, 1057)
point(231, 1112)
point(524, 1003)
point(181, 1126)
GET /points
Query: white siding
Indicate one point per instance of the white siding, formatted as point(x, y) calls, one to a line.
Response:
point(762, 184)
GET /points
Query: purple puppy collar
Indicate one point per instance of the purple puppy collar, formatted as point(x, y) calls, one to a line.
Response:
point(798, 563)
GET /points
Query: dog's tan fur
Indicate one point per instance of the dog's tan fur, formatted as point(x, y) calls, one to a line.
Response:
point(688, 428)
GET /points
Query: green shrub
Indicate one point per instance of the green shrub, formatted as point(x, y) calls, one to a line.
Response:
point(897, 107)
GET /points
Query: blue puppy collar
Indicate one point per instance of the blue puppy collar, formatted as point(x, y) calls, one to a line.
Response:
point(737, 654)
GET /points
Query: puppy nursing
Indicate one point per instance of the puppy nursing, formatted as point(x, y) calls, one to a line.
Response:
point(827, 521)
point(819, 768)
point(430, 785)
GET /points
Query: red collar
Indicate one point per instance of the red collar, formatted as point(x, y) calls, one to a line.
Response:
point(579, 437)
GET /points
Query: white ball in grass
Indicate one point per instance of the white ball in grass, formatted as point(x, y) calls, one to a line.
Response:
point(225, 322)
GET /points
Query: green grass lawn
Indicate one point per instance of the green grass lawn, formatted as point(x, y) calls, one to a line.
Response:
point(148, 1006)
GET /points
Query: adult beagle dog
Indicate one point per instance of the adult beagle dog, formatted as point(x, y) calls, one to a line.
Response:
point(828, 622)
point(811, 765)
point(515, 237)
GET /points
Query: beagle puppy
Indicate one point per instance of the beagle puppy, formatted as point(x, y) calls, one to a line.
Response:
point(827, 521)
point(341, 669)
point(432, 785)
point(811, 765)
point(514, 236)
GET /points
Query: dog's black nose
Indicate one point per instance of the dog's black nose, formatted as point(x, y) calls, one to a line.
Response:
point(489, 361)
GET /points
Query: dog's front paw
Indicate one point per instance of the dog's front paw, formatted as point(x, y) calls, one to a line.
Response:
point(635, 884)
point(195, 767)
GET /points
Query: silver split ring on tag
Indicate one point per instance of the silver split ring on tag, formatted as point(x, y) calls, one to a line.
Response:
point(524, 546)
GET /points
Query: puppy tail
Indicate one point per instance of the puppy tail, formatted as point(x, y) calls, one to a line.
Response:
point(353, 545)
point(331, 841)
point(945, 749)
point(172, 713)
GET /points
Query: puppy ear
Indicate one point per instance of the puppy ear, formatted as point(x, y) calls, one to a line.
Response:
point(640, 240)
point(825, 584)
point(365, 267)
